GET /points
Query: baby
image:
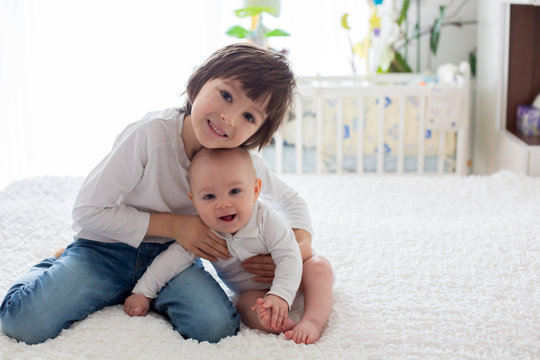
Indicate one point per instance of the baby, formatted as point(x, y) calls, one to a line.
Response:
point(224, 191)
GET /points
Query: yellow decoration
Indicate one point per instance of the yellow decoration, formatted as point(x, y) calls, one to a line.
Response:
point(344, 22)
point(362, 48)
point(374, 21)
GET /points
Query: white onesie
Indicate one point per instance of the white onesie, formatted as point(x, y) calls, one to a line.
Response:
point(264, 233)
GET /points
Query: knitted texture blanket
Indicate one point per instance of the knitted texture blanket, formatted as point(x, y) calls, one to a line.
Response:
point(426, 267)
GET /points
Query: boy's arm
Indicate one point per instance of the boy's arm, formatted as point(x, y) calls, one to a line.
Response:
point(190, 232)
point(280, 197)
point(303, 238)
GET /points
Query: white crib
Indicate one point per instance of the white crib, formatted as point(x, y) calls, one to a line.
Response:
point(422, 128)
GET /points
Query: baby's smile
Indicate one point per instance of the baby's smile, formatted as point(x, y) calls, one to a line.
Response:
point(228, 218)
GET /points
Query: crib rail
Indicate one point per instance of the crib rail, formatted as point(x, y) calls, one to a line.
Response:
point(431, 106)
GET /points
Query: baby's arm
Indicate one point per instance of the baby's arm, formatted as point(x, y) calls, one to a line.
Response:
point(165, 266)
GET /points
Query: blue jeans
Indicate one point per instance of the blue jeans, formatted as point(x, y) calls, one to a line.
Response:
point(91, 275)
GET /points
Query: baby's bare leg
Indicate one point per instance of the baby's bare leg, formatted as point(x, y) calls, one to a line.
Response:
point(317, 283)
point(256, 317)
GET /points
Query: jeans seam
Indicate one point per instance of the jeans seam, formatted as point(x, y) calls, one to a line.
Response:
point(105, 303)
point(178, 324)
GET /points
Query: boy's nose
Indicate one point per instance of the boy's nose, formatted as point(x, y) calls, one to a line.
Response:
point(227, 119)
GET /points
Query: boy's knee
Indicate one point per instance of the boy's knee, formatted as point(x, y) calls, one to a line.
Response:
point(213, 327)
point(22, 330)
point(25, 326)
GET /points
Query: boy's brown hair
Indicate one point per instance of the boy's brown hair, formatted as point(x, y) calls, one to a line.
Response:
point(264, 74)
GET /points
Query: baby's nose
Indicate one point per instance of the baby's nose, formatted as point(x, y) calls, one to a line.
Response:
point(223, 204)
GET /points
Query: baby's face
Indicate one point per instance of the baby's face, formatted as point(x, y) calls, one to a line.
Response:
point(224, 192)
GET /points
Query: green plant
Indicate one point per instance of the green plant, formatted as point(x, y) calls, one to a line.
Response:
point(394, 57)
point(258, 33)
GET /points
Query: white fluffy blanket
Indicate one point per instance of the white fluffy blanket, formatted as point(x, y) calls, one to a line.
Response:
point(425, 268)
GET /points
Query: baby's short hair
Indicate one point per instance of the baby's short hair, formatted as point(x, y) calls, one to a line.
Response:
point(264, 74)
point(217, 153)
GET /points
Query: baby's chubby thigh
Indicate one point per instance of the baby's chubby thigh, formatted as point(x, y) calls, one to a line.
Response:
point(57, 292)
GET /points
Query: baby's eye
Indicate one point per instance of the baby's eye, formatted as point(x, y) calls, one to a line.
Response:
point(249, 117)
point(235, 191)
point(226, 96)
point(208, 196)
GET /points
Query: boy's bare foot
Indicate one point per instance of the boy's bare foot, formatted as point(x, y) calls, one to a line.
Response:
point(136, 305)
point(59, 252)
point(305, 332)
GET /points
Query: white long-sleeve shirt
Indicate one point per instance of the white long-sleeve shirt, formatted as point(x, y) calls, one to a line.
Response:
point(264, 233)
point(146, 172)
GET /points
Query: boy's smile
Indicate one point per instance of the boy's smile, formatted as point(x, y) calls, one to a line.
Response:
point(218, 131)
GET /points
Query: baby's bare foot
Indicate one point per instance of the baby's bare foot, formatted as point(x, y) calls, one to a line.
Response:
point(264, 314)
point(305, 332)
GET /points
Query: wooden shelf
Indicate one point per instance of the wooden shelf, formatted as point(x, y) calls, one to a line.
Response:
point(523, 64)
point(529, 140)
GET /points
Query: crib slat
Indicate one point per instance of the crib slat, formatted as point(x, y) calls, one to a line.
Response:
point(442, 152)
point(421, 135)
point(380, 146)
point(401, 135)
point(299, 136)
point(339, 135)
point(360, 139)
point(319, 141)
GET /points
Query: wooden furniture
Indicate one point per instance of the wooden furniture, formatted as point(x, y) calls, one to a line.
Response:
point(508, 76)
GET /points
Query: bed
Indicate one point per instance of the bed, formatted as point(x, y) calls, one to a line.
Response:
point(438, 267)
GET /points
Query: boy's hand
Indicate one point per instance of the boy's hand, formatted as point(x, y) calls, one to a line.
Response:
point(190, 232)
point(137, 305)
point(261, 265)
point(196, 237)
point(273, 311)
point(264, 267)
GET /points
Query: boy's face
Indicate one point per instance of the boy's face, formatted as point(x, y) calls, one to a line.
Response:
point(224, 191)
point(223, 116)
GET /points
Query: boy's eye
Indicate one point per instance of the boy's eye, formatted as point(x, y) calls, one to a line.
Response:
point(226, 96)
point(208, 196)
point(249, 117)
point(234, 191)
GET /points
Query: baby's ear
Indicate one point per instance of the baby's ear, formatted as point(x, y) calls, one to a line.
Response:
point(190, 195)
point(257, 188)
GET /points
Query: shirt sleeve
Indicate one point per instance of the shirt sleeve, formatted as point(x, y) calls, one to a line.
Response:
point(169, 263)
point(282, 198)
point(285, 252)
point(98, 208)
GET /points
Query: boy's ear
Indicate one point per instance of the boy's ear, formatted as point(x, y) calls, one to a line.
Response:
point(190, 195)
point(257, 188)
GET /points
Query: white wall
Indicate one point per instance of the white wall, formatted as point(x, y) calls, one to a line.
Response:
point(74, 73)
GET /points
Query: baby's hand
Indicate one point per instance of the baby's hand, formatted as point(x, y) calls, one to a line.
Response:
point(137, 305)
point(272, 311)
